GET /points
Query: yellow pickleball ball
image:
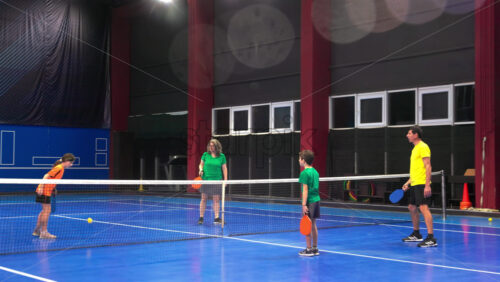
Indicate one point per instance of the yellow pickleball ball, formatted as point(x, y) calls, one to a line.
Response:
point(89, 220)
point(490, 219)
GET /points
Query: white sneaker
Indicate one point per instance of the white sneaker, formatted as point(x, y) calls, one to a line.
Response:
point(47, 235)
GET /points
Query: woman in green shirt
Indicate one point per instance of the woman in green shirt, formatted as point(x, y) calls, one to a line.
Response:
point(212, 167)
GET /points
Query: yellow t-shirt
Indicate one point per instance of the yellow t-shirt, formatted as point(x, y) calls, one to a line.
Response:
point(417, 168)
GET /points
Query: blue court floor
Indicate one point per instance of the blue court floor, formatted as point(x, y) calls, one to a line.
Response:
point(150, 238)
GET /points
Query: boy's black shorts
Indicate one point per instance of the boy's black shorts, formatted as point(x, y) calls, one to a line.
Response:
point(313, 210)
point(42, 199)
point(416, 196)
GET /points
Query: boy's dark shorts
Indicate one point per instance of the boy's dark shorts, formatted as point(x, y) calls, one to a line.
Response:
point(416, 196)
point(313, 210)
point(42, 199)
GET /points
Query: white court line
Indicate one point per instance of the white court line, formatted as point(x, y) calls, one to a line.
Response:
point(289, 217)
point(355, 216)
point(372, 223)
point(86, 213)
point(227, 212)
point(83, 201)
point(135, 204)
point(25, 274)
point(19, 217)
point(445, 230)
point(370, 257)
point(142, 227)
point(327, 220)
point(290, 246)
point(361, 217)
point(79, 201)
point(358, 222)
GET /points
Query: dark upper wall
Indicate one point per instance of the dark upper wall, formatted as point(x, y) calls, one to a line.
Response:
point(260, 62)
point(418, 54)
point(443, 53)
point(257, 51)
point(54, 63)
point(159, 51)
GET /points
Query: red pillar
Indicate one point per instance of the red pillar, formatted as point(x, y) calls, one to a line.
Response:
point(314, 89)
point(120, 75)
point(200, 80)
point(487, 103)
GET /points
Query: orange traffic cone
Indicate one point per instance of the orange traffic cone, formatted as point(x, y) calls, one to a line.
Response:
point(465, 203)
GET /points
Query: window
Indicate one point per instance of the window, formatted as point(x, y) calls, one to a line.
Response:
point(260, 118)
point(434, 105)
point(464, 103)
point(220, 123)
point(282, 117)
point(402, 107)
point(342, 112)
point(371, 110)
point(296, 116)
point(240, 120)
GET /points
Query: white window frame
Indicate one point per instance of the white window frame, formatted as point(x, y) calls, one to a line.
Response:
point(231, 120)
point(271, 120)
point(293, 103)
point(251, 122)
point(436, 89)
point(213, 120)
point(330, 107)
point(368, 96)
point(458, 85)
point(416, 106)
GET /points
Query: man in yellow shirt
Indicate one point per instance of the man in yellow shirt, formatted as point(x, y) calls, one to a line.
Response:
point(419, 188)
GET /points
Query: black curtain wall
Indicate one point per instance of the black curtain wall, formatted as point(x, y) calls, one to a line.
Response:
point(53, 63)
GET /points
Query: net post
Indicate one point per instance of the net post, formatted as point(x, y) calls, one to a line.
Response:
point(223, 201)
point(141, 172)
point(141, 188)
point(443, 194)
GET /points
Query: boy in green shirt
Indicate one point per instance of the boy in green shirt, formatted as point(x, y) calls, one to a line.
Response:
point(309, 178)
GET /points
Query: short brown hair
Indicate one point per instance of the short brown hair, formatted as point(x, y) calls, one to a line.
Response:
point(217, 144)
point(307, 156)
point(417, 130)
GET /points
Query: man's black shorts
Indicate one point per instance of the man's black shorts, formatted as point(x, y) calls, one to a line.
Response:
point(313, 210)
point(42, 199)
point(416, 196)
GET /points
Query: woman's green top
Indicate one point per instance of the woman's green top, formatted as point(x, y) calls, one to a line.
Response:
point(212, 167)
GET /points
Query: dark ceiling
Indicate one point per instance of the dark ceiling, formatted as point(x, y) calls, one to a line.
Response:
point(118, 3)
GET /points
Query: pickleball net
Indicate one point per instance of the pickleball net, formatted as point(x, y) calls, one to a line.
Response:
point(167, 211)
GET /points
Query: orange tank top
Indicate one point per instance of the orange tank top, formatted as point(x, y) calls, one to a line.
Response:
point(55, 173)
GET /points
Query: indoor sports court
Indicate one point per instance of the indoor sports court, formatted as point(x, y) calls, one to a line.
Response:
point(249, 140)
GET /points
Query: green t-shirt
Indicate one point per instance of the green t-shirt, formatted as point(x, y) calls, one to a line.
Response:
point(310, 177)
point(212, 167)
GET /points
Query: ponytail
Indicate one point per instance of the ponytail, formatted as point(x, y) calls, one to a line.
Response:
point(58, 162)
point(65, 158)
